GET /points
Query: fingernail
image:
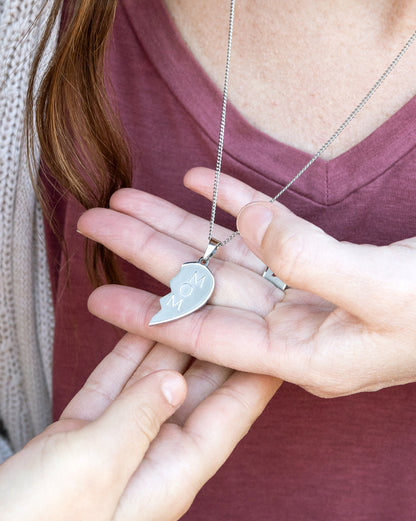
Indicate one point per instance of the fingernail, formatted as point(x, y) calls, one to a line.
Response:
point(173, 389)
point(253, 222)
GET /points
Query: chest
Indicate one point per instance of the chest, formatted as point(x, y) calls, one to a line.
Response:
point(298, 71)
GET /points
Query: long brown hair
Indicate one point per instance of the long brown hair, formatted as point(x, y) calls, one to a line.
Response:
point(81, 140)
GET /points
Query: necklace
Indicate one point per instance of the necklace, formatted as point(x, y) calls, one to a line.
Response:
point(194, 284)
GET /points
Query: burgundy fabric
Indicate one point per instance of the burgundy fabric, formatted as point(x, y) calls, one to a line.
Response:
point(306, 458)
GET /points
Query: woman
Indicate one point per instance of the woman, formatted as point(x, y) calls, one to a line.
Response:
point(305, 458)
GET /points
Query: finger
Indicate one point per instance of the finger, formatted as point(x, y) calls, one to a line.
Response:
point(226, 336)
point(364, 270)
point(184, 226)
point(365, 280)
point(232, 194)
point(161, 256)
point(125, 430)
point(108, 379)
point(279, 344)
point(225, 417)
point(202, 379)
point(311, 277)
point(219, 423)
point(192, 455)
point(159, 358)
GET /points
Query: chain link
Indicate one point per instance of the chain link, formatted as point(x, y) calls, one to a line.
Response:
point(329, 142)
point(222, 124)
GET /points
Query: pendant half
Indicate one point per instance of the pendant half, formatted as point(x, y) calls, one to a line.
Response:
point(191, 289)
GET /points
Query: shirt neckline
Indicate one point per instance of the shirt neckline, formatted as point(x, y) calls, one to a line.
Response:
point(326, 181)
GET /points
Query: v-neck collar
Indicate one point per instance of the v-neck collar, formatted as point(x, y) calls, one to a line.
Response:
point(325, 182)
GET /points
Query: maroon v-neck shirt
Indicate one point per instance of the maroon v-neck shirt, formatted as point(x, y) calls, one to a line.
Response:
point(306, 458)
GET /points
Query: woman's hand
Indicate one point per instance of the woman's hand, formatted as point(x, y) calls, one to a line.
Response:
point(112, 455)
point(347, 324)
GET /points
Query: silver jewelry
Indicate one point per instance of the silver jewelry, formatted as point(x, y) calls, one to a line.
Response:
point(191, 289)
point(193, 285)
point(271, 277)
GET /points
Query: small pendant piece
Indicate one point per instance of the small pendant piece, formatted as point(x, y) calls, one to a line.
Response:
point(191, 289)
point(271, 277)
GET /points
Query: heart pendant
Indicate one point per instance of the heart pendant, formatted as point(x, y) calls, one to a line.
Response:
point(191, 289)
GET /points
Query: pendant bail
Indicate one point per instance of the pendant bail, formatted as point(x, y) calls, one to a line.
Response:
point(210, 251)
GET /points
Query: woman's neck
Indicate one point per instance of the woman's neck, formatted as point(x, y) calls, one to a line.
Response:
point(299, 67)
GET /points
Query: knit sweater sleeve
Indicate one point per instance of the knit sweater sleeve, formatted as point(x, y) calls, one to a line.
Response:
point(26, 325)
point(5, 450)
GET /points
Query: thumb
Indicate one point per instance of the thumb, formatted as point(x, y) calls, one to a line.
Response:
point(125, 430)
point(305, 257)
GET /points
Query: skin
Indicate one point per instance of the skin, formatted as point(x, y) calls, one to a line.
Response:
point(333, 332)
point(298, 68)
point(112, 455)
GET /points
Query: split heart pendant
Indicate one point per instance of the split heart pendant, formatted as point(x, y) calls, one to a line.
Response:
point(193, 286)
point(191, 289)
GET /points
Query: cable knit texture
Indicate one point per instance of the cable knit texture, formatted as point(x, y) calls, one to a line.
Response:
point(26, 312)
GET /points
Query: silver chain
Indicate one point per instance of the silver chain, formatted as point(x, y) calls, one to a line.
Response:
point(222, 125)
point(334, 136)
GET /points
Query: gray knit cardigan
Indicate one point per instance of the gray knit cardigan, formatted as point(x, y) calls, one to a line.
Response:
point(26, 312)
